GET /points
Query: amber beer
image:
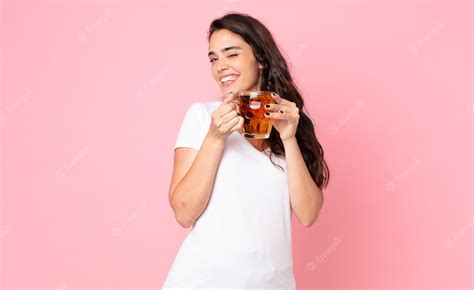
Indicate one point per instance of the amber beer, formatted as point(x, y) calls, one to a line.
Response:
point(252, 109)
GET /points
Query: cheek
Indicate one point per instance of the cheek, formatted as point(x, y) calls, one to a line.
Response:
point(251, 69)
point(214, 72)
point(251, 73)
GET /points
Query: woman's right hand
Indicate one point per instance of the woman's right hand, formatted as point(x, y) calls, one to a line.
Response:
point(226, 118)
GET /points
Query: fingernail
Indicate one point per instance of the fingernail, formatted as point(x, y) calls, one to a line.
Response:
point(267, 114)
point(281, 111)
point(267, 106)
point(273, 94)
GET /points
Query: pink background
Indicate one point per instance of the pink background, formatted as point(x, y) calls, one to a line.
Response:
point(93, 95)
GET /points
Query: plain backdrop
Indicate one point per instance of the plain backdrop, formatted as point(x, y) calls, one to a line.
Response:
point(93, 95)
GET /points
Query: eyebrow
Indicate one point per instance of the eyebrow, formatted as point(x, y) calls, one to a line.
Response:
point(224, 50)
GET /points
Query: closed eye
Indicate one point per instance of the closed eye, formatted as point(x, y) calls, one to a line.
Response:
point(231, 55)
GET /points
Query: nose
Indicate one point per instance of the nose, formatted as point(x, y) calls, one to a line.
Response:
point(222, 65)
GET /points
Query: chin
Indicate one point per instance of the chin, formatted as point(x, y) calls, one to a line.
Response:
point(236, 88)
point(226, 90)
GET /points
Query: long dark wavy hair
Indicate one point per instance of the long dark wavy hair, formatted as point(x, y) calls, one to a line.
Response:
point(276, 77)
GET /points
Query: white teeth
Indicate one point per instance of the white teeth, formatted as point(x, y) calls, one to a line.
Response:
point(228, 78)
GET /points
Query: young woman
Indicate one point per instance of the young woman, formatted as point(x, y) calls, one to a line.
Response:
point(239, 194)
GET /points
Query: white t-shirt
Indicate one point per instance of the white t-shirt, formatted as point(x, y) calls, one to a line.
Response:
point(243, 238)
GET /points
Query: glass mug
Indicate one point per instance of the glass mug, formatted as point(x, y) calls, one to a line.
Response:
point(252, 109)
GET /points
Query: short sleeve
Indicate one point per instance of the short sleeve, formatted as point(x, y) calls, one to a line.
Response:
point(193, 129)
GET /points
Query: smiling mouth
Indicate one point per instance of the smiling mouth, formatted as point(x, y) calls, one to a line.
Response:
point(229, 80)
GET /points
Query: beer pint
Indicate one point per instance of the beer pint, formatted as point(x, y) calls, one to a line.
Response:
point(252, 109)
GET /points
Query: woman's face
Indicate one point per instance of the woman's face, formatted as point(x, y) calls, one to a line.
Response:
point(233, 63)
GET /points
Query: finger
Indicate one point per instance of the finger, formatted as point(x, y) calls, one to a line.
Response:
point(280, 115)
point(236, 106)
point(278, 107)
point(239, 124)
point(228, 104)
point(225, 109)
point(276, 97)
point(279, 100)
point(229, 98)
point(227, 117)
point(230, 124)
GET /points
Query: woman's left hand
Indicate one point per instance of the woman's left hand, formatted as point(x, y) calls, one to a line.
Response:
point(285, 116)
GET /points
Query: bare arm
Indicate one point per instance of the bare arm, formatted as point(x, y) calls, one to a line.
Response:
point(306, 198)
point(194, 171)
point(190, 191)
